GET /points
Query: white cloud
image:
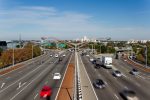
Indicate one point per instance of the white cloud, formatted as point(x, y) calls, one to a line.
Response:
point(36, 21)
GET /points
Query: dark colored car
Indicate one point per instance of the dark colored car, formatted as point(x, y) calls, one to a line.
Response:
point(45, 92)
point(60, 58)
point(94, 61)
point(128, 95)
point(99, 83)
point(97, 65)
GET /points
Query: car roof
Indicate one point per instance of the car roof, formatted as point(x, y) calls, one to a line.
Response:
point(129, 93)
point(99, 80)
point(45, 87)
point(134, 69)
point(117, 71)
point(56, 73)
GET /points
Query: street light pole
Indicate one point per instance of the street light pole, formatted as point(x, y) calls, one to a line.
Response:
point(146, 56)
point(13, 62)
point(32, 51)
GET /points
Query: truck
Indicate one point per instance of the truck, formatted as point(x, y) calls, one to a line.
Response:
point(106, 62)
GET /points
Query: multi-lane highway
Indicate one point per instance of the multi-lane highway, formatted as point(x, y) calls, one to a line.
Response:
point(114, 85)
point(25, 83)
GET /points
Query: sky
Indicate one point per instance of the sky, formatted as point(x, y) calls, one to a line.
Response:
point(71, 19)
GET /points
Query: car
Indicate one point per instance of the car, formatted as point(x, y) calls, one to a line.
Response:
point(64, 55)
point(57, 76)
point(97, 65)
point(45, 92)
point(128, 95)
point(51, 55)
point(87, 55)
point(94, 61)
point(56, 55)
point(60, 58)
point(117, 73)
point(99, 83)
point(134, 72)
point(91, 59)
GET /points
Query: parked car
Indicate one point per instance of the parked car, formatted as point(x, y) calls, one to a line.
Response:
point(128, 95)
point(99, 83)
point(45, 92)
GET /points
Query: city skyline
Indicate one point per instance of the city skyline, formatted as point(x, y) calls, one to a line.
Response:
point(71, 19)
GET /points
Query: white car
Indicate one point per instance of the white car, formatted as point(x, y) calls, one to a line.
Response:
point(57, 76)
point(91, 59)
point(56, 55)
point(64, 55)
point(117, 73)
point(87, 55)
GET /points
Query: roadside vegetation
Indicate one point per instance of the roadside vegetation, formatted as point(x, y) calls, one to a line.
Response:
point(102, 48)
point(20, 54)
point(140, 52)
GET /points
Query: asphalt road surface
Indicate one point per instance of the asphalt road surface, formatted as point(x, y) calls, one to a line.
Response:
point(25, 83)
point(114, 85)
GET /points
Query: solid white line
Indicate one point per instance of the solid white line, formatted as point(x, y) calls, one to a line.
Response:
point(116, 96)
point(35, 96)
point(63, 78)
point(89, 79)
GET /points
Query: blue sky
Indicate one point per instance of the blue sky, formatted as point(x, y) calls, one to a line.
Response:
point(71, 19)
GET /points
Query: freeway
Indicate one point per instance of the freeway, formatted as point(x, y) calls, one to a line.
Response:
point(114, 85)
point(26, 82)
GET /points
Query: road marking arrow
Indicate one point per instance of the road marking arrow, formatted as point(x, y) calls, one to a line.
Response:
point(2, 85)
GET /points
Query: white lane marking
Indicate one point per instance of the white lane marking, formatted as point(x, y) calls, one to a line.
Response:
point(99, 75)
point(88, 78)
point(141, 77)
point(2, 85)
point(20, 85)
point(35, 96)
point(21, 78)
point(21, 71)
point(116, 96)
point(63, 78)
point(124, 75)
point(106, 83)
point(126, 87)
point(28, 84)
point(138, 84)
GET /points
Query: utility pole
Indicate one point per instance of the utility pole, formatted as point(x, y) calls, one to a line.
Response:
point(146, 56)
point(32, 51)
point(13, 58)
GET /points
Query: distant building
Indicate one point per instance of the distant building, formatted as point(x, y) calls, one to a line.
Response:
point(3, 45)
